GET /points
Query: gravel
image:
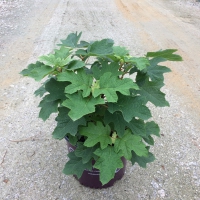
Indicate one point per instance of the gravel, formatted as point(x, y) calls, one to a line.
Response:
point(13, 17)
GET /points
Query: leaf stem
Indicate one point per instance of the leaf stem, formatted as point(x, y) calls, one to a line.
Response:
point(87, 60)
point(123, 75)
point(104, 105)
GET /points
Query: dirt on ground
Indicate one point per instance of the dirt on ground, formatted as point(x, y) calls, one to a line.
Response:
point(31, 162)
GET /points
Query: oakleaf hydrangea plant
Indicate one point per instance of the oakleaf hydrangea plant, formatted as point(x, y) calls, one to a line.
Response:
point(100, 93)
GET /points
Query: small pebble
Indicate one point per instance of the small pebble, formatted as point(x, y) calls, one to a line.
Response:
point(161, 193)
point(155, 185)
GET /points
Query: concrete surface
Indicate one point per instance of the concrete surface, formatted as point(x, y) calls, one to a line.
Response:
point(31, 162)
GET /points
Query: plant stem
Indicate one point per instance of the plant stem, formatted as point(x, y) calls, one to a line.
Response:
point(104, 105)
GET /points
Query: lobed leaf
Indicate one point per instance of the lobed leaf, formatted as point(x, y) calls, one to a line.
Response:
point(81, 52)
point(100, 48)
point(128, 143)
point(141, 160)
point(76, 166)
point(40, 91)
point(130, 107)
point(96, 134)
point(62, 53)
point(71, 40)
point(86, 153)
point(120, 51)
point(66, 124)
point(154, 71)
point(79, 81)
point(137, 126)
point(47, 108)
point(37, 71)
point(166, 54)
point(141, 62)
point(83, 44)
point(73, 139)
point(149, 140)
point(150, 91)
point(99, 70)
point(109, 85)
point(107, 163)
point(53, 61)
point(118, 121)
point(55, 89)
point(80, 106)
point(75, 64)
point(152, 129)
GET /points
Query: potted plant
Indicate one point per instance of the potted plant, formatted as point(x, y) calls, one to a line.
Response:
point(100, 94)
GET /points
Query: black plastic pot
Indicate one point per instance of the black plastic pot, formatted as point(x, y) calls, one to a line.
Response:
point(91, 178)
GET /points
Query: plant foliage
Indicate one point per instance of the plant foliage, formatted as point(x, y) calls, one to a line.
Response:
point(100, 107)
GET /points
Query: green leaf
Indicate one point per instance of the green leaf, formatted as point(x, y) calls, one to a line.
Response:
point(75, 166)
point(130, 107)
point(81, 52)
point(152, 129)
point(155, 72)
point(47, 108)
point(142, 161)
point(71, 40)
point(66, 124)
point(96, 134)
point(109, 85)
point(100, 48)
point(97, 115)
point(83, 44)
point(118, 121)
point(86, 153)
point(112, 67)
point(150, 91)
point(96, 70)
point(107, 163)
point(141, 78)
point(141, 62)
point(56, 90)
point(120, 51)
point(166, 54)
point(40, 92)
point(137, 127)
point(28, 70)
point(52, 60)
point(128, 143)
point(111, 58)
point(62, 53)
point(37, 71)
point(133, 70)
point(149, 140)
point(81, 106)
point(79, 81)
point(73, 139)
point(75, 64)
